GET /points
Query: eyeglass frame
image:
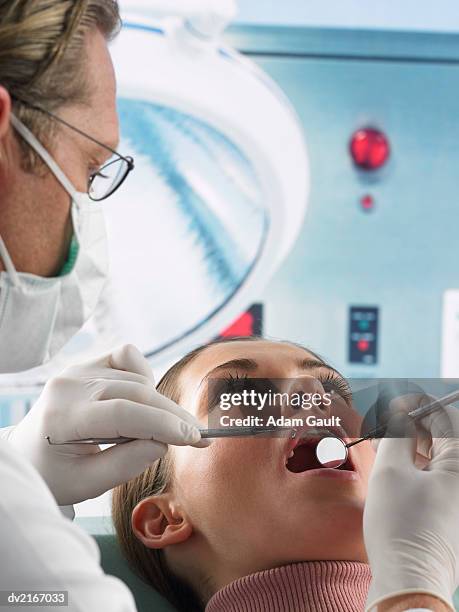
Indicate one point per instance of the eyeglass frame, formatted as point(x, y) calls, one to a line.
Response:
point(129, 160)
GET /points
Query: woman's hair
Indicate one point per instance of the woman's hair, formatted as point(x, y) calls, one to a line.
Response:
point(150, 564)
point(42, 58)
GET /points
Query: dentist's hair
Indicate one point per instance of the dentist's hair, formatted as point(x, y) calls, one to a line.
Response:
point(150, 564)
point(42, 58)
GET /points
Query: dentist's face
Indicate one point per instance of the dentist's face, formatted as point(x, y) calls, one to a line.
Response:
point(35, 220)
point(239, 494)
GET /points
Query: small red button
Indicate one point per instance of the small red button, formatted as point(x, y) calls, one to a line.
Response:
point(367, 202)
point(369, 148)
point(363, 345)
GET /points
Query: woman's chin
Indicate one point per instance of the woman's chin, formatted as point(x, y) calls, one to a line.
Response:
point(336, 533)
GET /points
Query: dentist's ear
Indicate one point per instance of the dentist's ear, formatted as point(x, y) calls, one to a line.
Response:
point(159, 521)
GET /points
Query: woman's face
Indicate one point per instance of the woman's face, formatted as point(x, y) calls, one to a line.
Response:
point(244, 504)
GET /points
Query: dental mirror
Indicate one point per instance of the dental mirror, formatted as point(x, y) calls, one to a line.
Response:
point(331, 452)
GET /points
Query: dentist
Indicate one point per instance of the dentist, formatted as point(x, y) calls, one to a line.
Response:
point(58, 132)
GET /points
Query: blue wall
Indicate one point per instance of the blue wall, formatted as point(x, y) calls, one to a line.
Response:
point(402, 256)
point(442, 15)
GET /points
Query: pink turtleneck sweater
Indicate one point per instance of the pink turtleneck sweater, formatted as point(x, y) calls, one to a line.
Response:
point(310, 586)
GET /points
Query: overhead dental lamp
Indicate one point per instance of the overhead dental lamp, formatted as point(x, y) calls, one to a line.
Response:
point(219, 190)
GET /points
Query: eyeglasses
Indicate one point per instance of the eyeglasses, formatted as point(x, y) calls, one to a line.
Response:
point(103, 183)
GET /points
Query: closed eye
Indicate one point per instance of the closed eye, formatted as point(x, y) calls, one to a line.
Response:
point(238, 384)
point(332, 381)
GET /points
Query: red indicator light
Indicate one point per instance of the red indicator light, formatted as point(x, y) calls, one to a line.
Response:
point(363, 345)
point(367, 202)
point(250, 323)
point(369, 148)
point(242, 327)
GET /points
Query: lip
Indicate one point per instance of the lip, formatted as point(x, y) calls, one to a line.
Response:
point(333, 474)
point(307, 434)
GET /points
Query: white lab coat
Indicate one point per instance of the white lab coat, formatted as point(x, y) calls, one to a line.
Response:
point(42, 550)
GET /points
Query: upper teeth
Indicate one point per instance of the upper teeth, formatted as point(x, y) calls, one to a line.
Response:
point(318, 432)
point(291, 454)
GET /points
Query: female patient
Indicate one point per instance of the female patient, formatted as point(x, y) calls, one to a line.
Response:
point(231, 526)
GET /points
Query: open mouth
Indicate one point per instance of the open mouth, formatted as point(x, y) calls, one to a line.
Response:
point(302, 457)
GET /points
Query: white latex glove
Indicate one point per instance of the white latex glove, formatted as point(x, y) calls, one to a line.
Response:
point(411, 518)
point(108, 397)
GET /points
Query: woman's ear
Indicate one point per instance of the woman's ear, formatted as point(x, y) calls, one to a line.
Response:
point(5, 112)
point(159, 521)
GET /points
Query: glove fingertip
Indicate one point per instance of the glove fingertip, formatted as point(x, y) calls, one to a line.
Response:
point(152, 448)
point(203, 443)
point(129, 358)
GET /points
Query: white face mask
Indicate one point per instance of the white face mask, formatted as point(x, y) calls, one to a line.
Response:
point(39, 315)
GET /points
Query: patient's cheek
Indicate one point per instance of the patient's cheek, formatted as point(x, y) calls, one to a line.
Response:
point(229, 463)
point(215, 483)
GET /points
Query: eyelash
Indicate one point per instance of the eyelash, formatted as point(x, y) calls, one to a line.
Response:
point(233, 381)
point(230, 384)
point(333, 381)
point(92, 170)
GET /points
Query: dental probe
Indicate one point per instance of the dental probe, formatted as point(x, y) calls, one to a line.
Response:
point(417, 413)
point(232, 432)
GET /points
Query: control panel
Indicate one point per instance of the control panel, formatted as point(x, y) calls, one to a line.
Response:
point(363, 335)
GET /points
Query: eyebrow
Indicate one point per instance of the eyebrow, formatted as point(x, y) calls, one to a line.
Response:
point(246, 365)
point(250, 365)
point(311, 364)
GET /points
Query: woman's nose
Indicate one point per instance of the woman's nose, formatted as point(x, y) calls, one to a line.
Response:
point(305, 393)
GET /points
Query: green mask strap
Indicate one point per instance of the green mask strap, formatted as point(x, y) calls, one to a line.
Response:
point(71, 257)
